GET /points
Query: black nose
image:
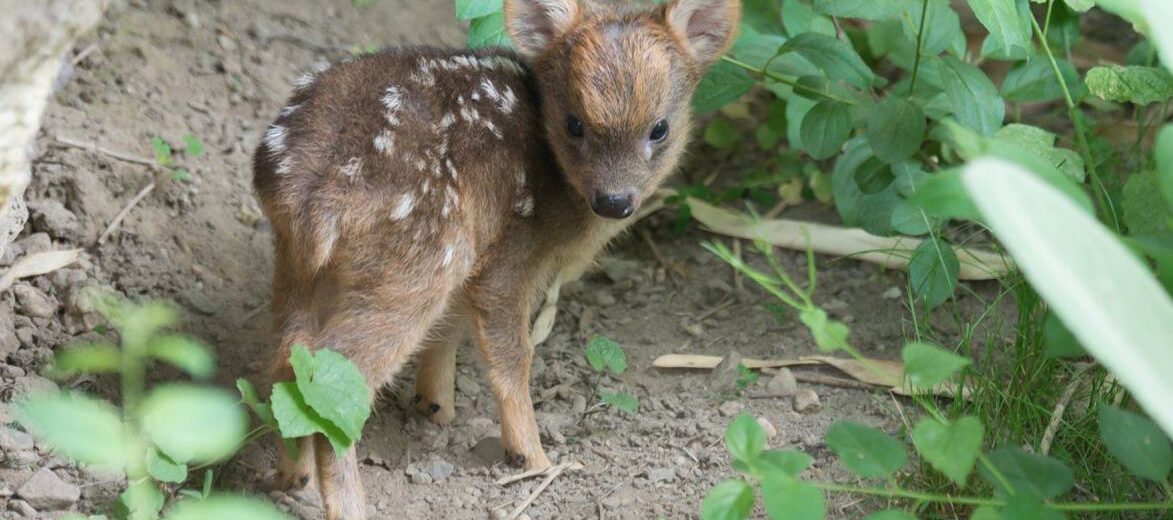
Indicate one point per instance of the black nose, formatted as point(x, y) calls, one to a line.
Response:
point(613, 205)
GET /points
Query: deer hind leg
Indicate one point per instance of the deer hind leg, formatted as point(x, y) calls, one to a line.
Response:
point(435, 383)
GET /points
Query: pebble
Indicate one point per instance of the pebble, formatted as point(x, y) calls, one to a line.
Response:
point(440, 469)
point(15, 440)
point(46, 491)
point(34, 303)
point(893, 293)
point(498, 514)
point(730, 408)
point(724, 377)
point(783, 384)
point(807, 401)
point(22, 508)
point(467, 385)
point(604, 298)
point(770, 429)
point(52, 217)
point(662, 475)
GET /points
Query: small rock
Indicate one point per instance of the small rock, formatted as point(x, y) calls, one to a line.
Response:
point(31, 385)
point(50, 216)
point(724, 377)
point(893, 293)
point(730, 408)
point(662, 475)
point(36, 243)
point(199, 301)
point(489, 450)
point(782, 384)
point(807, 401)
point(22, 508)
point(15, 440)
point(693, 329)
point(768, 426)
point(498, 514)
point(578, 405)
point(467, 385)
point(604, 298)
point(417, 476)
point(440, 469)
point(33, 303)
point(9, 343)
point(47, 491)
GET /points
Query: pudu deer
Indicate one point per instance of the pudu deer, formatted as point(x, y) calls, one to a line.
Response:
point(421, 196)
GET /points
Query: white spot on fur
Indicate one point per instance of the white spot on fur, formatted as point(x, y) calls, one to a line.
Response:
point(285, 167)
point(490, 89)
point(493, 129)
point(449, 252)
point(503, 64)
point(392, 99)
point(321, 66)
point(353, 169)
point(508, 100)
point(385, 142)
point(403, 207)
point(447, 121)
point(426, 187)
point(275, 139)
point(451, 200)
point(420, 164)
point(451, 168)
point(525, 206)
point(304, 80)
point(289, 110)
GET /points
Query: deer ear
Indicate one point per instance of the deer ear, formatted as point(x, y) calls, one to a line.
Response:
point(707, 25)
point(533, 24)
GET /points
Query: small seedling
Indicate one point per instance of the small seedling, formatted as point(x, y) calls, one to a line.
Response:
point(362, 49)
point(606, 356)
point(165, 155)
point(745, 378)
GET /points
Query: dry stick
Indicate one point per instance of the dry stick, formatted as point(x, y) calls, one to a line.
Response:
point(1061, 408)
point(85, 53)
point(643, 233)
point(66, 142)
point(505, 481)
point(125, 211)
point(554, 473)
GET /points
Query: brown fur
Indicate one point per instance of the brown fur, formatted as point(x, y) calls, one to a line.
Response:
point(422, 196)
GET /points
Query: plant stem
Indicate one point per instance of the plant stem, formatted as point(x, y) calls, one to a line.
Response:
point(785, 81)
point(1104, 202)
point(920, 39)
point(978, 501)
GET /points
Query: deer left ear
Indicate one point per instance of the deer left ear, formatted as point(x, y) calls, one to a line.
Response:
point(707, 25)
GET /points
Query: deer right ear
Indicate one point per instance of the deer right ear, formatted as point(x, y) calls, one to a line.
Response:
point(533, 24)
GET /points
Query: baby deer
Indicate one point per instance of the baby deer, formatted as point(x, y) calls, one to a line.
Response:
point(420, 196)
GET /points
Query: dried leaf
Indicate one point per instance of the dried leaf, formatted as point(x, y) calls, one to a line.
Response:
point(38, 264)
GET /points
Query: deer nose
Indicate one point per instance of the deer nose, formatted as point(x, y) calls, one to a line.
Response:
point(613, 205)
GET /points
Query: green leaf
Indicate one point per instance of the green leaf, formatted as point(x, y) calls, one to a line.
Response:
point(1163, 149)
point(791, 499)
point(193, 424)
point(334, 388)
point(720, 134)
point(1157, 13)
point(605, 355)
point(972, 95)
point(249, 397)
point(621, 400)
point(488, 31)
point(834, 57)
point(745, 438)
point(1080, 5)
point(927, 365)
point(866, 451)
point(88, 359)
point(296, 419)
point(891, 514)
point(933, 271)
point(1136, 442)
point(76, 426)
point(139, 323)
point(1028, 473)
point(470, 9)
point(862, 9)
point(729, 500)
point(830, 335)
point(1132, 84)
point(1009, 32)
point(798, 17)
point(225, 507)
point(1041, 144)
point(186, 354)
point(908, 219)
point(985, 513)
point(180, 175)
point(950, 448)
point(1034, 81)
point(825, 128)
point(874, 176)
point(1058, 341)
point(140, 501)
point(787, 462)
point(163, 469)
point(162, 151)
point(192, 145)
point(724, 83)
point(1145, 210)
point(895, 129)
point(942, 27)
point(1028, 507)
point(942, 195)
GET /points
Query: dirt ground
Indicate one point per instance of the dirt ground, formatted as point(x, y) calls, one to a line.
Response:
point(220, 70)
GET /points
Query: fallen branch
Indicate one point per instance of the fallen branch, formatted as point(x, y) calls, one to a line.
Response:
point(142, 194)
point(66, 142)
point(551, 473)
point(38, 264)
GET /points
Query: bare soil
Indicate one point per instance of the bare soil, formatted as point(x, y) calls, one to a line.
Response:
point(220, 70)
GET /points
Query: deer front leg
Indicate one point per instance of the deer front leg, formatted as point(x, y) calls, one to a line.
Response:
point(502, 339)
point(435, 383)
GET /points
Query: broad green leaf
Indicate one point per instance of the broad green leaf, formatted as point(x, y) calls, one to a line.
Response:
point(1158, 13)
point(724, 83)
point(1041, 144)
point(249, 397)
point(942, 27)
point(933, 271)
point(1028, 473)
point(163, 468)
point(1145, 210)
point(761, 15)
point(184, 353)
point(76, 426)
point(1127, 323)
point(1009, 32)
point(825, 128)
point(745, 438)
point(140, 501)
point(985, 513)
point(1164, 155)
point(605, 355)
point(470, 9)
point(874, 176)
point(1034, 80)
point(729, 500)
point(972, 95)
point(1027, 507)
point(895, 129)
point(798, 17)
point(834, 57)
point(1080, 5)
point(866, 451)
point(862, 9)
point(88, 359)
point(927, 365)
point(488, 31)
point(910, 220)
point(1136, 442)
point(830, 335)
point(787, 462)
point(950, 448)
point(336, 390)
point(942, 195)
point(891, 514)
point(190, 423)
point(1058, 341)
point(162, 151)
point(296, 419)
point(1131, 84)
point(621, 400)
point(225, 507)
point(787, 498)
point(193, 146)
point(720, 134)
point(138, 323)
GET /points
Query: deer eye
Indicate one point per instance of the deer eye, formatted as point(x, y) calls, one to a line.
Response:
point(660, 131)
point(574, 127)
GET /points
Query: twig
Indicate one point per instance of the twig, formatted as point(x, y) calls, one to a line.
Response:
point(66, 142)
point(1060, 408)
point(507, 480)
point(643, 233)
point(142, 194)
point(738, 281)
point(555, 471)
point(85, 53)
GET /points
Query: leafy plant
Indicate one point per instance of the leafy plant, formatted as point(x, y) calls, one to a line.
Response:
point(745, 378)
point(165, 156)
point(606, 357)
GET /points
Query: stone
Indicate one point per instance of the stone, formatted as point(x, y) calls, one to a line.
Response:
point(46, 491)
point(893, 293)
point(807, 401)
point(489, 450)
point(724, 378)
point(467, 385)
point(9, 343)
point(33, 303)
point(415, 475)
point(783, 384)
point(32, 384)
point(12, 219)
point(730, 408)
point(15, 440)
point(440, 469)
point(22, 508)
point(768, 427)
point(662, 475)
point(52, 217)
